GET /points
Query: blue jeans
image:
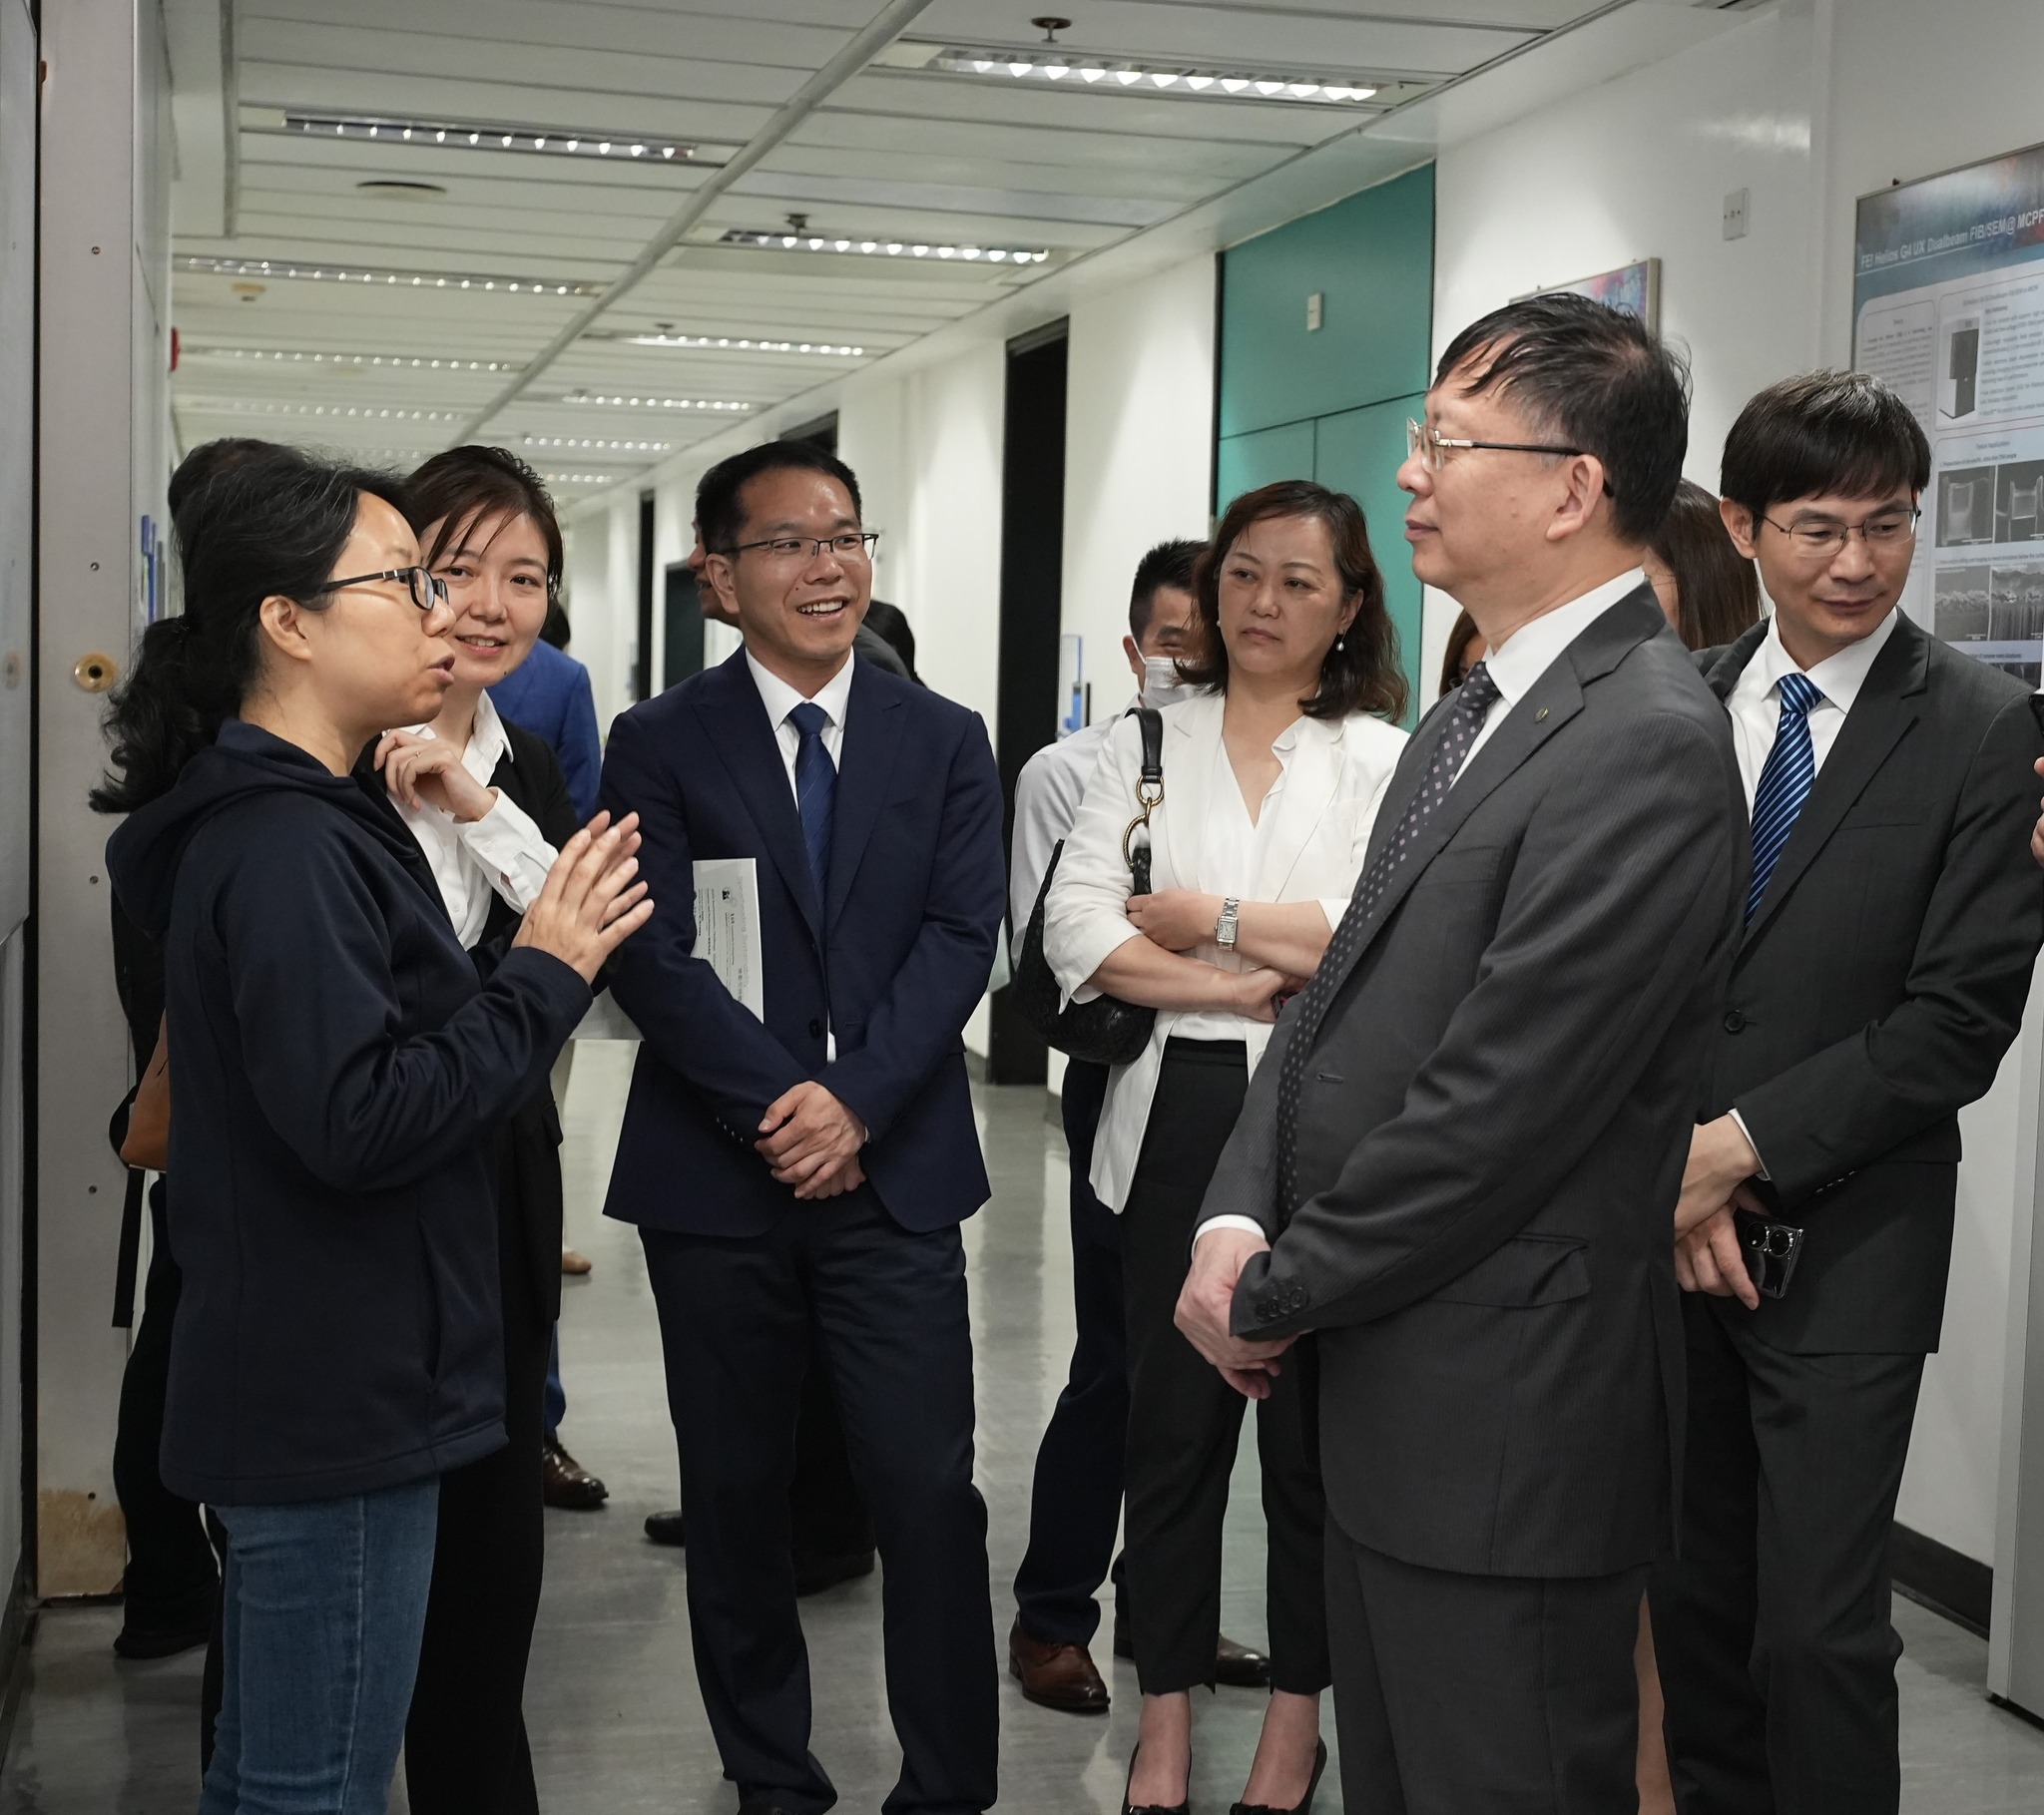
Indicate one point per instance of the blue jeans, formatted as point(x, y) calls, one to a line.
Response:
point(326, 1602)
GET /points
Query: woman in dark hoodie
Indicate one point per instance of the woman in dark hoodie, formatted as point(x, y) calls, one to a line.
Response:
point(338, 1076)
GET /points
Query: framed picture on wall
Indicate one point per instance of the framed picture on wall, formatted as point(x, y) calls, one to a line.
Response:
point(1634, 289)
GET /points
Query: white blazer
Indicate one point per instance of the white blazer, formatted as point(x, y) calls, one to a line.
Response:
point(1332, 784)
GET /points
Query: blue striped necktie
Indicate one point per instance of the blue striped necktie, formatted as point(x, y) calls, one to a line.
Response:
point(815, 788)
point(1785, 780)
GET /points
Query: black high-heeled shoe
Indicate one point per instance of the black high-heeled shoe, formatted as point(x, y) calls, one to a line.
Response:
point(1304, 1807)
point(1159, 1808)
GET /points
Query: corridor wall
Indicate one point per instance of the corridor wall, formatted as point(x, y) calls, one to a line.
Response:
point(1325, 396)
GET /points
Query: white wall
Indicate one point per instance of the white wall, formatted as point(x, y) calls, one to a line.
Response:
point(1138, 449)
point(1805, 106)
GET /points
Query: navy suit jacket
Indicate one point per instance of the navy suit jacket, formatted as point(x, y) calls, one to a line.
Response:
point(548, 694)
point(893, 961)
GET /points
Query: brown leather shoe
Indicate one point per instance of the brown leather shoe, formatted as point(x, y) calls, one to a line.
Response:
point(564, 1482)
point(1234, 1664)
point(1060, 1676)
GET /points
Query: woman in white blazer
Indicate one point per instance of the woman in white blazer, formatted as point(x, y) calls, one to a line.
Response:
point(1271, 778)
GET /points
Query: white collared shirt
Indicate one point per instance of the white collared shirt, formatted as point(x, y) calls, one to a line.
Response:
point(1530, 651)
point(1754, 702)
point(1047, 797)
point(834, 696)
point(503, 851)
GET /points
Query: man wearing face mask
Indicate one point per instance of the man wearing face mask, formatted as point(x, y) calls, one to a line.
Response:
point(1075, 1508)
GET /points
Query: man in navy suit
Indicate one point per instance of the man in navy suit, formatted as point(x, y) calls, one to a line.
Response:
point(802, 1177)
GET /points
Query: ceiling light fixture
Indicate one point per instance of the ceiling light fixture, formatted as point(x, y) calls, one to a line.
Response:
point(583, 478)
point(479, 135)
point(626, 447)
point(244, 406)
point(1181, 79)
point(658, 403)
point(883, 248)
point(356, 274)
point(415, 362)
point(728, 343)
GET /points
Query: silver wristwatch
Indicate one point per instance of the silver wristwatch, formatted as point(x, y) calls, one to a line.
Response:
point(1225, 927)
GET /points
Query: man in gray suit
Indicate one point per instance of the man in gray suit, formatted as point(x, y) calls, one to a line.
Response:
point(1458, 1158)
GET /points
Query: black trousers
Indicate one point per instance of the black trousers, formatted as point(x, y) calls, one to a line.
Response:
point(1482, 1695)
point(465, 1748)
point(1075, 1506)
point(1185, 1419)
point(172, 1580)
point(740, 1317)
point(1777, 1658)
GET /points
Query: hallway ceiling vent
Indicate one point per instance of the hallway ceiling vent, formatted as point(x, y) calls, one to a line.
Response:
point(880, 249)
point(1201, 81)
point(485, 136)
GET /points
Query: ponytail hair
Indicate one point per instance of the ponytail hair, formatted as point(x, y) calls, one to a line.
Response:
point(251, 520)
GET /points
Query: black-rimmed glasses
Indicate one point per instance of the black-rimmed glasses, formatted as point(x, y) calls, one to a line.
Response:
point(853, 545)
point(427, 589)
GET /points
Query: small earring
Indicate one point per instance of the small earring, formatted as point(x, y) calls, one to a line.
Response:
point(1340, 640)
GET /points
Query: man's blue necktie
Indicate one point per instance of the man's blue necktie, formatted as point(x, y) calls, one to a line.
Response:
point(815, 788)
point(1784, 784)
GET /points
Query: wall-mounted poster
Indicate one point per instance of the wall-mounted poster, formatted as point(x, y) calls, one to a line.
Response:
point(1948, 308)
point(1634, 289)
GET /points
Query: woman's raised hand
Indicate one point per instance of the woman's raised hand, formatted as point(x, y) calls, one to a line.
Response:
point(590, 905)
point(428, 772)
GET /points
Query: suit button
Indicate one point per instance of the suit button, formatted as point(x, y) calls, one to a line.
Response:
point(1733, 1021)
point(815, 1030)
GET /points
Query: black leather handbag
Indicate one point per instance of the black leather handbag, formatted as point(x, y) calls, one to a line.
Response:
point(1106, 1031)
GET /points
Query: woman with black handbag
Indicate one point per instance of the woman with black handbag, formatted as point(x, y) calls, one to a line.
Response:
point(1255, 833)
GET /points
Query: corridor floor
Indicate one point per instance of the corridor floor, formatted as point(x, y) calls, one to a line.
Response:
point(616, 1728)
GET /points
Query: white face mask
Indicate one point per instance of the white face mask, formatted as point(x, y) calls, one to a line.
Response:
point(1161, 682)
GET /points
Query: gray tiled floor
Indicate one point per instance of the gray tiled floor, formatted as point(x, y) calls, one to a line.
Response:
point(616, 1725)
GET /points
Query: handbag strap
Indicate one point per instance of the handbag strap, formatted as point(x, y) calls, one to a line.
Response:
point(1148, 796)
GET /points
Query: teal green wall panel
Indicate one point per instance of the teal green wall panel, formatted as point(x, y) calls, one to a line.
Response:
point(1359, 452)
point(1371, 259)
point(1243, 462)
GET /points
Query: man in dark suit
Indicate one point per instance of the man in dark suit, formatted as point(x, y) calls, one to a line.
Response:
point(1457, 1155)
point(1892, 923)
point(799, 1176)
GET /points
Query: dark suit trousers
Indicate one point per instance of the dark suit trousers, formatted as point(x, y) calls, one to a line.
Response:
point(171, 1581)
point(465, 1750)
point(737, 1318)
point(1777, 1658)
point(1504, 1694)
point(1075, 1508)
point(1185, 1419)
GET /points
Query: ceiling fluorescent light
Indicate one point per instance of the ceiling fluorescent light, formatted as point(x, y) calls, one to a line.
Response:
point(656, 403)
point(411, 362)
point(366, 413)
point(548, 141)
point(733, 344)
point(881, 249)
point(1178, 79)
point(357, 274)
point(629, 447)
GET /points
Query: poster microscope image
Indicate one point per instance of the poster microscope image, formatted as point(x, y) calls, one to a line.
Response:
point(1948, 308)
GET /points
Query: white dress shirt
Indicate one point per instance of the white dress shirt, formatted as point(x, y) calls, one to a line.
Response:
point(1754, 705)
point(503, 851)
point(779, 699)
point(1047, 797)
point(1514, 666)
point(834, 696)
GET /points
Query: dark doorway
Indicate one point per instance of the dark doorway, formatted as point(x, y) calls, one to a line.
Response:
point(680, 653)
point(1032, 596)
point(642, 661)
point(821, 433)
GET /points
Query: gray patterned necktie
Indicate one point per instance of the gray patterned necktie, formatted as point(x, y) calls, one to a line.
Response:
point(1465, 719)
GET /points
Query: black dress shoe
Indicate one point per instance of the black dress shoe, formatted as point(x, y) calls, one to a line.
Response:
point(668, 1528)
point(564, 1482)
point(139, 1643)
point(1304, 1807)
point(1156, 1808)
point(812, 1575)
point(1233, 1664)
point(761, 1808)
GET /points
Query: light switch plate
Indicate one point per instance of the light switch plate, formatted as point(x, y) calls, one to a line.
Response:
point(1313, 312)
point(1735, 215)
